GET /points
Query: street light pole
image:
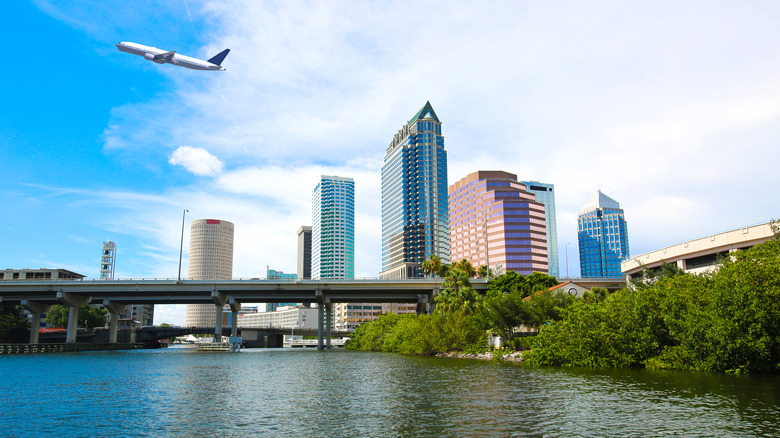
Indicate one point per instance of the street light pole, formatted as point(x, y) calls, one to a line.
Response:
point(181, 248)
point(567, 259)
point(487, 255)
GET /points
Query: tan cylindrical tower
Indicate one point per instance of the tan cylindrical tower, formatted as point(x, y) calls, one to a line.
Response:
point(211, 258)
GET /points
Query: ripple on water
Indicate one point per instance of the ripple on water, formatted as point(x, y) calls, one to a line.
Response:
point(341, 393)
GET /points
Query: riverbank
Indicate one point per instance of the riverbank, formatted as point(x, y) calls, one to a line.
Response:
point(515, 356)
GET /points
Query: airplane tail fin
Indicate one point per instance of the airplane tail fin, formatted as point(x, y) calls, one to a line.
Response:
point(219, 57)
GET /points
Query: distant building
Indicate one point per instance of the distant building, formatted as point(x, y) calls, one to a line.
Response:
point(211, 258)
point(333, 228)
point(603, 237)
point(304, 253)
point(271, 274)
point(415, 218)
point(699, 255)
point(546, 195)
point(284, 317)
point(39, 275)
point(493, 203)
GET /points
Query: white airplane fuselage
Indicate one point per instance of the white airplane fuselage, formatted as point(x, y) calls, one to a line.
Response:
point(164, 57)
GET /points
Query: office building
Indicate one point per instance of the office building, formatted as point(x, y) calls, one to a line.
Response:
point(210, 258)
point(271, 274)
point(546, 195)
point(603, 237)
point(304, 253)
point(333, 228)
point(492, 204)
point(415, 217)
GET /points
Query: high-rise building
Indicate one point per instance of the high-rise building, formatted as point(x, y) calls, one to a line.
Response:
point(546, 195)
point(333, 228)
point(211, 258)
point(492, 204)
point(603, 237)
point(415, 217)
point(272, 274)
point(304, 253)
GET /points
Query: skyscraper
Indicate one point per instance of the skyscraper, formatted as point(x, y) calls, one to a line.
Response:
point(545, 194)
point(492, 204)
point(304, 253)
point(333, 228)
point(211, 258)
point(415, 217)
point(602, 237)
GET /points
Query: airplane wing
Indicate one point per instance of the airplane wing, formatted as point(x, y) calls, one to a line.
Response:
point(167, 56)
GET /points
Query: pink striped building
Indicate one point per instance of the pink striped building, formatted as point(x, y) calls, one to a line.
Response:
point(516, 233)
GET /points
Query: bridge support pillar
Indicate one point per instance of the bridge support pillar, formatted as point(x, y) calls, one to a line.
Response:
point(320, 317)
point(73, 302)
point(36, 309)
point(235, 308)
point(328, 321)
point(219, 300)
point(422, 304)
point(114, 309)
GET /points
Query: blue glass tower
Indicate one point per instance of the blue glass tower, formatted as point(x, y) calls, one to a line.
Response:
point(333, 228)
point(415, 216)
point(602, 237)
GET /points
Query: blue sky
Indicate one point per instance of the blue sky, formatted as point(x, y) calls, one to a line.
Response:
point(671, 109)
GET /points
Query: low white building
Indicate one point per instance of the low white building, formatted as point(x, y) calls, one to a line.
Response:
point(283, 317)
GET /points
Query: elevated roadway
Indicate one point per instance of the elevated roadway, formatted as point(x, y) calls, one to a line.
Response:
point(38, 296)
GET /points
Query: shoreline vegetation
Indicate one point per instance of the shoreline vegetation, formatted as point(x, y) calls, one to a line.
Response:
point(722, 321)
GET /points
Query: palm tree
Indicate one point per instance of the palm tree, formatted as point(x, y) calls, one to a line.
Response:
point(432, 265)
point(466, 266)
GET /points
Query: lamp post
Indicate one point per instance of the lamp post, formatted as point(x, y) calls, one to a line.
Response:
point(181, 248)
point(567, 259)
point(487, 255)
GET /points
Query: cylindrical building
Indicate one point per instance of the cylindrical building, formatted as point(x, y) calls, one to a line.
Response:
point(211, 258)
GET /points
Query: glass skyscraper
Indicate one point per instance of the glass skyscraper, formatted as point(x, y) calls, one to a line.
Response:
point(546, 195)
point(333, 228)
point(415, 218)
point(602, 237)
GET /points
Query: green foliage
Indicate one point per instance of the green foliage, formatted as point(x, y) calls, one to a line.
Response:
point(433, 266)
point(94, 316)
point(457, 294)
point(727, 321)
point(512, 282)
point(417, 334)
point(14, 327)
point(466, 267)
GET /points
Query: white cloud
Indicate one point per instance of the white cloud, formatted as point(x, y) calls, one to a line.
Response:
point(196, 160)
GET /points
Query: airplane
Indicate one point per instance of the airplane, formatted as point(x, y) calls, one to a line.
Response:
point(161, 57)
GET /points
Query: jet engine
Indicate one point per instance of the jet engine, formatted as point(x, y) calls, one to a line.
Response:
point(150, 57)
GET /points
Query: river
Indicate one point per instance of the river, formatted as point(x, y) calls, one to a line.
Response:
point(283, 392)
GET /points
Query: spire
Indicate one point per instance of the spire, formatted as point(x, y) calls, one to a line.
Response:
point(425, 113)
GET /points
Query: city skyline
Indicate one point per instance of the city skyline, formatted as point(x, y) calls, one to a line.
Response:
point(650, 102)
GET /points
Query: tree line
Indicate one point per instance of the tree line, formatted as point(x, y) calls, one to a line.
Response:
point(726, 320)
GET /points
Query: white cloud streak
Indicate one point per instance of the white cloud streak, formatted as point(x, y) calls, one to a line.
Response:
point(197, 161)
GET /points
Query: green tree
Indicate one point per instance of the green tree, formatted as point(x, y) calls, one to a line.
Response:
point(465, 266)
point(14, 327)
point(456, 293)
point(432, 266)
point(94, 316)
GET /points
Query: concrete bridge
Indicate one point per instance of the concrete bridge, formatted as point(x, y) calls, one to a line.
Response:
point(38, 296)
